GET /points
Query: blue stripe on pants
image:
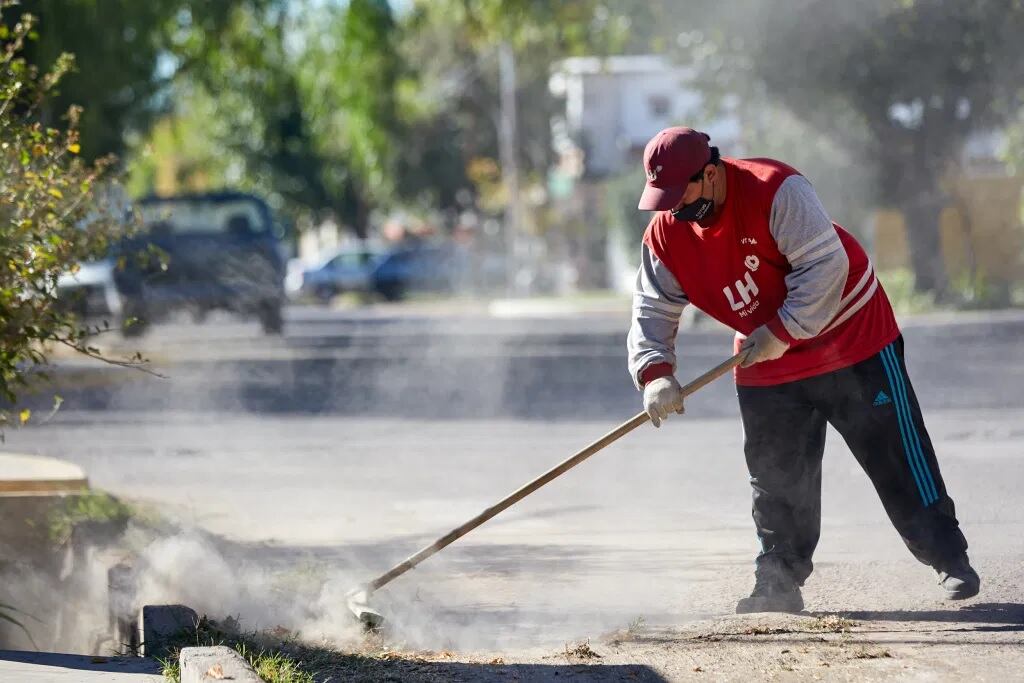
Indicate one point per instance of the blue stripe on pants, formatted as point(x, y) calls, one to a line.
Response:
point(905, 418)
point(915, 438)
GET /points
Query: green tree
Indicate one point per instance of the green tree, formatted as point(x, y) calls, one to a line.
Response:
point(342, 108)
point(246, 101)
point(126, 54)
point(52, 214)
point(451, 47)
point(349, 74)
point(262, 109)
point(900, 84)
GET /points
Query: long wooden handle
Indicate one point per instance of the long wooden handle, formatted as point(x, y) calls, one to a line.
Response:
point(555, 472)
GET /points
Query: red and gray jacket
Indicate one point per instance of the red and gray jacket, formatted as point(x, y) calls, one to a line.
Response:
point(772, 256)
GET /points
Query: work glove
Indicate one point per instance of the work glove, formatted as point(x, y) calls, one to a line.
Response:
point(661, 397)
point(763, 346)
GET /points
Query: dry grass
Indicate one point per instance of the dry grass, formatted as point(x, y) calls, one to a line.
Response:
point(824, 624)
point(636, 626)
point(762, 630)
point(832, 623)
point(581, 650)
point(279, 656)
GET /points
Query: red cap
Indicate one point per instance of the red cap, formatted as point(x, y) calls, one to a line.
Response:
point(671, 158)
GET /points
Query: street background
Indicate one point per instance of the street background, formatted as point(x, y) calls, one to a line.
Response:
point(389, 249)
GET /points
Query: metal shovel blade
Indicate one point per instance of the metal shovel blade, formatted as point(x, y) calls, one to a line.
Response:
point(358, 601)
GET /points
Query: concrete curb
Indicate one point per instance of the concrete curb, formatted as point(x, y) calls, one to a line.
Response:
point(555, 307)
point(39, 475)
point(215, 663)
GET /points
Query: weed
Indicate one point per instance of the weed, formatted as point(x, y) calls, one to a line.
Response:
point(636, 626)
point(5, 615)
point(761, 630)
point(582, 650)
point(278, 656)
point(832, 623)
point(93, 506)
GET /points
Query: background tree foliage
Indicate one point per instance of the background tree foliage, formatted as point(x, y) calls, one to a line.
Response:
point(453, 45)
point(126, 54)
point(337, 109)
point(245, 104)
point(899, 84)
point(349, 75)
point(293, 100)
point(52, 215)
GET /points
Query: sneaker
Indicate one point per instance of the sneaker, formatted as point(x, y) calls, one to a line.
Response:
point(958, 578)
point(772, 593)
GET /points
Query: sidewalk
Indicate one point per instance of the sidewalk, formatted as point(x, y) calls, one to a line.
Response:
point(52, 667)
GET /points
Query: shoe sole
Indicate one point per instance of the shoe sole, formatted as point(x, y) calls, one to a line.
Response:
point(755, 606)
point(970, 592)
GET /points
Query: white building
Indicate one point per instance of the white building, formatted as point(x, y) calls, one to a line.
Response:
point(614, 105)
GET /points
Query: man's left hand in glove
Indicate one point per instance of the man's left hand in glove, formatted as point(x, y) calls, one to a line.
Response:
point(762, 345)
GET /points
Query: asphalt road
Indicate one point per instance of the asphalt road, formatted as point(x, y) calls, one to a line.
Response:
point(309, 463)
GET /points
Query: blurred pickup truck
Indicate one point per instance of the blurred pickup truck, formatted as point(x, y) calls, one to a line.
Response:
point(195, 252)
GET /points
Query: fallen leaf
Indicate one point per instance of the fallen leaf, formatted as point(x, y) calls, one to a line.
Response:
point(24, 415)
point(215, 672)
point(99, 660)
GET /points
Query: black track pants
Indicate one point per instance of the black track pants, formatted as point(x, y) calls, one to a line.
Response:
point(873, 406)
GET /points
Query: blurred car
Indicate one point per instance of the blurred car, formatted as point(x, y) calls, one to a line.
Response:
point(196, 252)
point(91, 290)
point(428, 268)
point(345, 270)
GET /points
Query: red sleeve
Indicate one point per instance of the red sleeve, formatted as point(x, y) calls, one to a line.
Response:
point(779, 330)
point(654, 371)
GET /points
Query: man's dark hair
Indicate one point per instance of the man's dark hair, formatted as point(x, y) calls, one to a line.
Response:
point(713, 160)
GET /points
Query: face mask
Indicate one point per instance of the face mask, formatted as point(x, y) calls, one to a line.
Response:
point(698, 209)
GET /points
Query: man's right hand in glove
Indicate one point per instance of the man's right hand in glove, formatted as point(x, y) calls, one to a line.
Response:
point(661, 397)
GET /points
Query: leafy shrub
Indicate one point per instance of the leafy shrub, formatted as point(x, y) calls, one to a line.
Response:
point(54, 212)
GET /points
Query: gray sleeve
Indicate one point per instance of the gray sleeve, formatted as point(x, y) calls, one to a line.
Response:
point(805, 235)
point(658, 301)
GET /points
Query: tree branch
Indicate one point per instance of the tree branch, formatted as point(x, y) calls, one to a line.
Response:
point(131, 364)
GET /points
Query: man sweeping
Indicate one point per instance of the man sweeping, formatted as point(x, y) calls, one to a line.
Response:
point(748, 242)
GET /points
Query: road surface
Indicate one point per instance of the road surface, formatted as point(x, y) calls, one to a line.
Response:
point(301, 466)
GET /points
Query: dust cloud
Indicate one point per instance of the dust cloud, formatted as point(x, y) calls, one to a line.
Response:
point(222, 442)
